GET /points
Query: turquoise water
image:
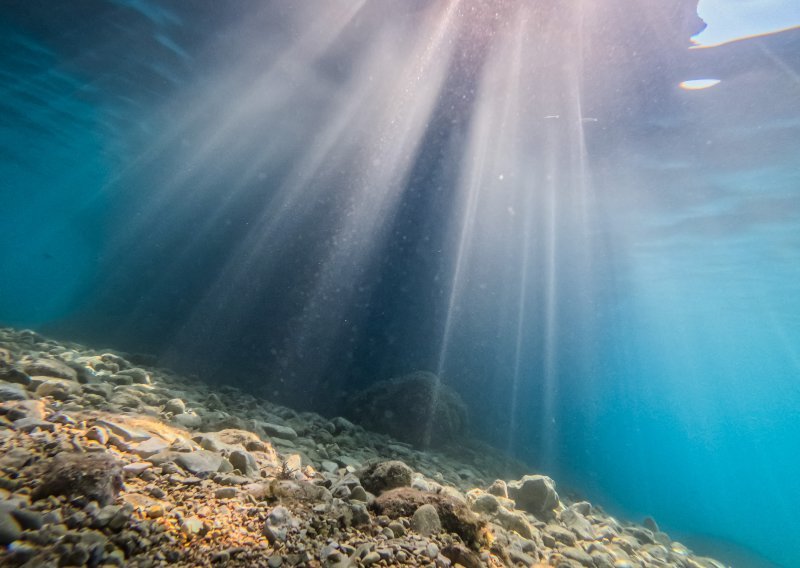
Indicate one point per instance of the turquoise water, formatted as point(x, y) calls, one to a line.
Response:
point(306, 199)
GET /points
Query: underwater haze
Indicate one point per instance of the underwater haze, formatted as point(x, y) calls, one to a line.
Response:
point(581, 221)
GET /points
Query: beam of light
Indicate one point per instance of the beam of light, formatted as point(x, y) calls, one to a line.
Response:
point(224, 114)
point(229, 113)
point(698, 84)
point(367, 146)
point(399, 117)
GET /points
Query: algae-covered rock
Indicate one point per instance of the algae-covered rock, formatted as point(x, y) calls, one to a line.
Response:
point(415, 408)
point(381, 476)
point(454, 514)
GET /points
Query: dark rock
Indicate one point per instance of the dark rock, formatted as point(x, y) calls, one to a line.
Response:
point(104, 390)
point(28, 520)
point(341, 425)
point(460, 554)
point(9, 529)
point(31, 424)
point(560, 534)
point(10, 391)
point(244, 462)
point(650, 524)
point(13, 375)
point(453, 513)
point(93, 476)
point(535, 494)
point(360, 515)
point(382, 476)
point(432, 413)
point(641, 534)
point(52, 368)
point(225, 493)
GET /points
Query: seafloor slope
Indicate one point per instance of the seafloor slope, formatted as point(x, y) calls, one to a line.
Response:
point(105, 463)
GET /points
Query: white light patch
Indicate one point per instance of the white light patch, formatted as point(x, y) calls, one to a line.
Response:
point(732, 20)
point(699, 84)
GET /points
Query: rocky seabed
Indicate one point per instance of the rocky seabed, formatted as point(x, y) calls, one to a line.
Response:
point(107, 463)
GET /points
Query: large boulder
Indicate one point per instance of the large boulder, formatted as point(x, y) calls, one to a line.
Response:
point(381, 476)
point(415, 408)
point(535, 494)
point(94, 477)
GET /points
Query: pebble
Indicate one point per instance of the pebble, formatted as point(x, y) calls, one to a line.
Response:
point(137, 468)
point(371, 558)
point(225, 493)
point(155, 511)
point(31, 424)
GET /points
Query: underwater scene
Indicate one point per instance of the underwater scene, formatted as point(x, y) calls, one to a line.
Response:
point(442, 283)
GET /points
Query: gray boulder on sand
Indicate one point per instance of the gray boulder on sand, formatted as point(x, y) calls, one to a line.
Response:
point(415, 408)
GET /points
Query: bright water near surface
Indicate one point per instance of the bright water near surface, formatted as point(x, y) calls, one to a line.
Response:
point(306, 197)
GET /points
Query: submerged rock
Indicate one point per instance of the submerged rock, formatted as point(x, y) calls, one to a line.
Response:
point(379, 477)
point(535, 494)
point(432, 413)
point(52, 368)
point(12, 391)
point(9, 529)
point(425, 520)
point(454, 514)
point(202, 461)
point(95, 477)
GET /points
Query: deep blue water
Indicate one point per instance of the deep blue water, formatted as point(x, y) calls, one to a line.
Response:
point(304, 199)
